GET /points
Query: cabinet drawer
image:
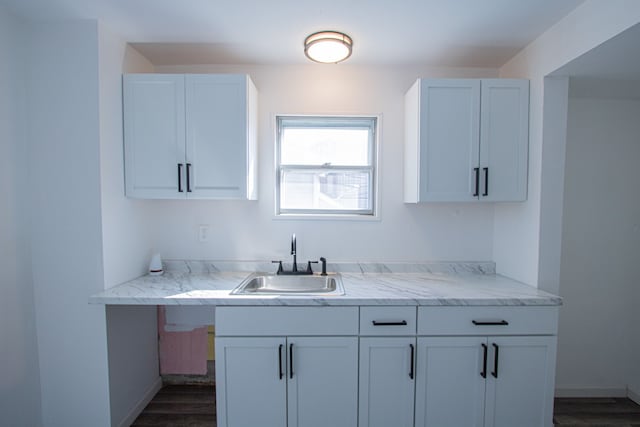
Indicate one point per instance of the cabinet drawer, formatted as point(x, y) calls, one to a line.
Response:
point(534, 320)
point(308, 321)
point(387, 320)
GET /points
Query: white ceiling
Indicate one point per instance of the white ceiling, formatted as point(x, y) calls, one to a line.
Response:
point(469, 33)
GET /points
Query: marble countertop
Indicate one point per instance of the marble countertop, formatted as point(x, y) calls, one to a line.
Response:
point(450, 284)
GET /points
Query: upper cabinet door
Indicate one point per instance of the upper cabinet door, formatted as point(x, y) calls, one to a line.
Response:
point(219, 146)
point(444, 147)
point(154, 133)
point(504, 136)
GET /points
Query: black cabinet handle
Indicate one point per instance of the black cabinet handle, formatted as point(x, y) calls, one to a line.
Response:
point(486, 182)
point(280, 361)
point(483, 374)
point(497, 323)
point(411, 370)
point(180, 178)
point(400, 323)
point(495, 361)
point(188, 177)
point(477, 172)
point(290, 360)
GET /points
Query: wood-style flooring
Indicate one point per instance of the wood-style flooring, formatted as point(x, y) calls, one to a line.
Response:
point(180, 405)
point(194, 406)
point(596, 412)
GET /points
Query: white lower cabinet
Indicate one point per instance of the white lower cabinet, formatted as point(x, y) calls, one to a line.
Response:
point(500, 380)
point(293, 381)
point(385, 366)
point(521, 392)
point(387, 375)
point(287, 366)
point(490, 382)
point(250, 391)
point(449, 388)
point(322, 386)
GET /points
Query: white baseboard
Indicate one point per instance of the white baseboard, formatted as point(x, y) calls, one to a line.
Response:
point(634, 396)
point(142, 403)
point(591, 392)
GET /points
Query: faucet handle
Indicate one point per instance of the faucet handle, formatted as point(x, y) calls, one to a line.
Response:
point(279, 266)
point(309, 270)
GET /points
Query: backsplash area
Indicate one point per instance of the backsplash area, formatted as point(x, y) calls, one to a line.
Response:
point(209, 266)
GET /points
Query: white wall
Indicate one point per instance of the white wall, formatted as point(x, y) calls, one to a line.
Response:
point(131, 331)
point(19, 371)
point(600, 268)
point(518, 228)
point(66, 231)
point(248, 230)
point(134, 379)
point(125, 233)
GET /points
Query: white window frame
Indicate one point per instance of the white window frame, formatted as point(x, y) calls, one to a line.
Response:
point(373, 123)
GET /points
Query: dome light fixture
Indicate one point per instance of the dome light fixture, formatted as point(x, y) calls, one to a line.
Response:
point(328, 47)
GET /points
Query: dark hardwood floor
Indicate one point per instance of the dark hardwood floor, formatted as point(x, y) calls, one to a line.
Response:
point(180, 405)
point(596, 412)
point(194, 406)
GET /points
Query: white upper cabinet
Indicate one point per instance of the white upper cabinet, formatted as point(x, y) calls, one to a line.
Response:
point(190, 136)
point(154, 114)
point(504, 140)
point(466, 140)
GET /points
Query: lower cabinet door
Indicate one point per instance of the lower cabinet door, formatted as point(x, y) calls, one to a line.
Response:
point(322, 382)
point(520, 383)
point(250, 388)
point(450, 386)
point(387, 375)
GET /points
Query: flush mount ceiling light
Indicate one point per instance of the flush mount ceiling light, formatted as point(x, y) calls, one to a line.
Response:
point(328, 47)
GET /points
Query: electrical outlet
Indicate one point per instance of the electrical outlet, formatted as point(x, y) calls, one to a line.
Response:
point(203, 233)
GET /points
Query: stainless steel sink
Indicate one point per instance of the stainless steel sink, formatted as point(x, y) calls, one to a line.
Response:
point(274, 284)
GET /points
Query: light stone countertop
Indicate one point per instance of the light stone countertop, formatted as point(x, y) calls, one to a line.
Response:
point(431, 284)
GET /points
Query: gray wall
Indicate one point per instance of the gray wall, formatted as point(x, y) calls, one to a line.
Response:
point(66, 228)
point(600, 268)
point(131, 331)
point(19, 371)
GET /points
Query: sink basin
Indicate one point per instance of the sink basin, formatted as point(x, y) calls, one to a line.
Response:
point(273, 284)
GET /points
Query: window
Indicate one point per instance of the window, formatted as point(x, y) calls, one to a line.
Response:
point(325, 165)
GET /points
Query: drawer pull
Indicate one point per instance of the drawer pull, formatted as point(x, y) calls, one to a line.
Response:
point(401, 323)
point(498, 323)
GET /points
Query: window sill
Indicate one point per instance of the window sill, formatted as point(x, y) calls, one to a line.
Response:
point(326, 217)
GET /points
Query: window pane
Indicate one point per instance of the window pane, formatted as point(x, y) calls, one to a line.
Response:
point(321, 145)
point(325, 190)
